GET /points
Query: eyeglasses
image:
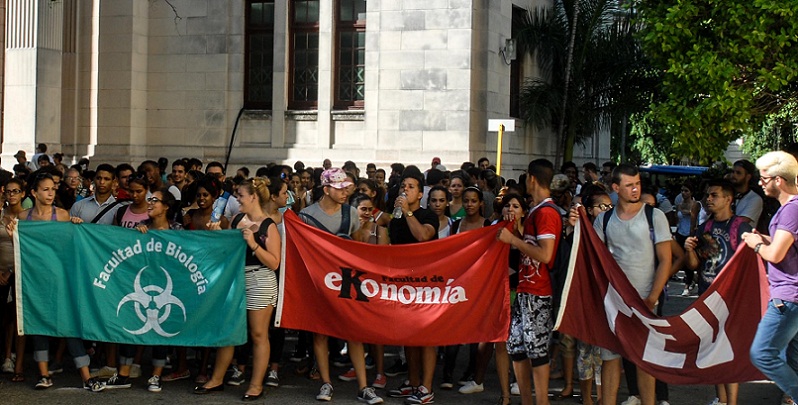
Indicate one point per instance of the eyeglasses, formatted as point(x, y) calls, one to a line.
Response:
point(13, 191)
point(602, 206)
point(153, 200)
point(764, 180)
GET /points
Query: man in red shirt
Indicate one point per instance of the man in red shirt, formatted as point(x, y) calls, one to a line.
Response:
point(531, 319)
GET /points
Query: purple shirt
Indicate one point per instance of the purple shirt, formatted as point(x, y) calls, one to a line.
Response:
point(783, 276)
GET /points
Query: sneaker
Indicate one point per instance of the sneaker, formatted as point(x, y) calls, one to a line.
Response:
point(686, 292)
point(44, 383)
point(55, 368)
point(154, 384)
point(237, 378)
point(176, 375)
point(380, 381)
point(135, 371)
point(105, 372)
point(471, 387)
point(663, 403)
point(397, 368)
point(117, 381)
point(787, 400)
point(342, 361)
point(297, 356)
point(421, 396)
point(368, 396)
point(514, 389)
point(348, 376)
point(8, 365)
point(447, 384)
point(94, 385)
point(272, 380)
point(403, 391)
point(325, 392)
point(632, 400)
point(369, 362)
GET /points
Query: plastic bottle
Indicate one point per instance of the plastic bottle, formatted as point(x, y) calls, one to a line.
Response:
point(397, 211)
point(218, 207)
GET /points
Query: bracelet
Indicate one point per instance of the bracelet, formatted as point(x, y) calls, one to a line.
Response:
point(255, 249)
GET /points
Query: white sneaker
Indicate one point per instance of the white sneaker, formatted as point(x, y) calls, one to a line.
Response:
point(632, 400)
point(471, 387)
point(325, 393)
point(686, 292)
point(514, 389)
point(135, 371)
point(663, 403)
point(8, 366)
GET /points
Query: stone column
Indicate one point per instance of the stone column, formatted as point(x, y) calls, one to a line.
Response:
point(32, 90)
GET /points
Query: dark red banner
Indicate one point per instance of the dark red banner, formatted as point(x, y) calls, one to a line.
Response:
point(437, 293)
point(707, 344)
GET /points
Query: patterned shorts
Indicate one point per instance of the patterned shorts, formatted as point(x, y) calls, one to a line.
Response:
point(588, 364)
point(530, 326)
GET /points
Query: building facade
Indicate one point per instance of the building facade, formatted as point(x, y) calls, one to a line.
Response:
point(269, 81)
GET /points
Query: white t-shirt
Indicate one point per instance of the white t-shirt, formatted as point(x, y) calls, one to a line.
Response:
point(625, 242)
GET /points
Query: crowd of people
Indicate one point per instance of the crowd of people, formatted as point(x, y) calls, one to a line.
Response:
point(710, 217)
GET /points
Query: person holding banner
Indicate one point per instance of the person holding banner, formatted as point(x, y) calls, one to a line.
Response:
point(711, 247)
point(531, 320)
point(13, 193)
point(43, 189)
point(331, 214)
point(646, 265)
point(778, 329)
point(259, 231)
point(415, 225)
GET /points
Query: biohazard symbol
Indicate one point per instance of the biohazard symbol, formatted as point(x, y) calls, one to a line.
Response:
point(152, 305)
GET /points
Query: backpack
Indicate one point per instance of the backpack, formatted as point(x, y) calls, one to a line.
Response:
point(346, 220)
point(734, 230)
point(558, 271)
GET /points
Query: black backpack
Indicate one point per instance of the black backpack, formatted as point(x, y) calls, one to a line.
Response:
point(558, 271)
point(346, 221)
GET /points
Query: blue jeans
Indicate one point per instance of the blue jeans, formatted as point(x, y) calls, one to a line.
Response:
point(776, 335)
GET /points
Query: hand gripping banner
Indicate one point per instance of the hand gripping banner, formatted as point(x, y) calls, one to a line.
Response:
point(106, 283)
point(707, 344)
point(444, 292)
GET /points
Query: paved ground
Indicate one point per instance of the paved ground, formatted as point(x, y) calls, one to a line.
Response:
point(299, 390)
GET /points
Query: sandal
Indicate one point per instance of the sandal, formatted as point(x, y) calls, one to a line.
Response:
point(18, 377)
point(504, 401)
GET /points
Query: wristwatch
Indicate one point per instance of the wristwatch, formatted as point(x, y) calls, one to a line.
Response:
point(409, 214)
point(758, 245)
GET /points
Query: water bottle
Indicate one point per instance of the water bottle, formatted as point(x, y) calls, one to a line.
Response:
point(397, 211)
point(218, 207)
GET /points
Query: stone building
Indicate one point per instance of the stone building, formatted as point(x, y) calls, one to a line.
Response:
point(370, 81)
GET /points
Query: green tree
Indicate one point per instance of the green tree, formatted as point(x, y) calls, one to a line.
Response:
point(593, 73)
point(730, 70)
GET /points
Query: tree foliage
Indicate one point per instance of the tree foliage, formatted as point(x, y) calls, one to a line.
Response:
point(609, 76)
point(730, 70)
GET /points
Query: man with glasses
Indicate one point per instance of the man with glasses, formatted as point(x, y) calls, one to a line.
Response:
point(371, 171)
point(746, 202)
point(773, 349)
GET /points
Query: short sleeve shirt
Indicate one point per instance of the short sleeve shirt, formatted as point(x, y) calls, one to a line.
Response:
point(400, 231)
point(629, 242)
point(543, 222)
point(749, 206)
point(331, 222)
point(783, 275)
point(715, 247)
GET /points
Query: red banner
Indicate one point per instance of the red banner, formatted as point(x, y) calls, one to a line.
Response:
point(707, 344)
point(444, 292)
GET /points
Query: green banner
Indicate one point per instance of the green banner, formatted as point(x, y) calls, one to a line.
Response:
point(111, 284)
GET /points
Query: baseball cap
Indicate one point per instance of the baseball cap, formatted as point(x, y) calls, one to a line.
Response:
point(335, 178)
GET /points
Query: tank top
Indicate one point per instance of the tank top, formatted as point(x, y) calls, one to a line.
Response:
point(53, 218)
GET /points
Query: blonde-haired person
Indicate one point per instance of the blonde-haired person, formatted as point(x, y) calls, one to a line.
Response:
point(778, 328)
point(263, 256)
